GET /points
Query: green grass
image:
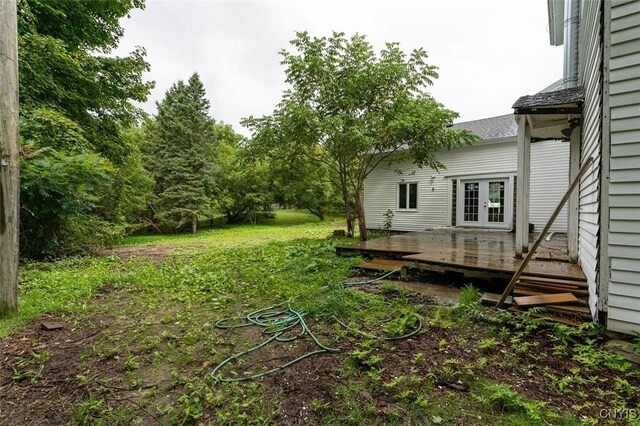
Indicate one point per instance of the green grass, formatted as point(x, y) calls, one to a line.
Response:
point(68, 285)
point(55, 287)
point(287, 224)
point(159, 317)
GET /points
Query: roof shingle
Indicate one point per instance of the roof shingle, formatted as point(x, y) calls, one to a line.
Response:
point(502, 126)
point(574, 95)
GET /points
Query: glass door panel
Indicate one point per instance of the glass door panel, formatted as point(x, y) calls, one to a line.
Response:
point(471, 202)
point(496, 202)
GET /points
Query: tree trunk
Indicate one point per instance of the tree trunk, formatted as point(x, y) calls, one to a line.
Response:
point(362, 223)
point(317, 213)
point(9, 158)
point(347, 209)
point(194, 224)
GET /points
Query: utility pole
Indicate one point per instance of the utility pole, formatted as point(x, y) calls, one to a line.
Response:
point(9, 157)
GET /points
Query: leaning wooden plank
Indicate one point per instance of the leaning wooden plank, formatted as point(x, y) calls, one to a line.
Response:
point(492, 298)
point(552, 219)
point(544, 299)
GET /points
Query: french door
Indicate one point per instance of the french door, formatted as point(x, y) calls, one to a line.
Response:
point(484, 203)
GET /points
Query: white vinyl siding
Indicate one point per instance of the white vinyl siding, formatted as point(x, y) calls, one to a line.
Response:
point(549, 177)
point(624, 188)
point(549, 182)
point(590, 76)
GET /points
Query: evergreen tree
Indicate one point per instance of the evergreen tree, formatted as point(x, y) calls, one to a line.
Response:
point(181, 156)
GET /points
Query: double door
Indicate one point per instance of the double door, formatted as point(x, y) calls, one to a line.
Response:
point(484, 203)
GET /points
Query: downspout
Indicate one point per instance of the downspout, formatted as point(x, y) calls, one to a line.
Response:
point(571, 34)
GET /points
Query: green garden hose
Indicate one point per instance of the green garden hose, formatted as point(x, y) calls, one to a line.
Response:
point(277, 322)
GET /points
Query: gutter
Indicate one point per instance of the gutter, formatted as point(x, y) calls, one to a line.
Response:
point(555, 9)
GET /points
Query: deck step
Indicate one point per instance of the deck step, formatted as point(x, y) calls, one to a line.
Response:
point(379, 264)
point(544, 299)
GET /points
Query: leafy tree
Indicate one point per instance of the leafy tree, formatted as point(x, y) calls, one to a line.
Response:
point(65, 68)
point(243, 185)
point(181, 156)
point(351, 109)
point(81, 176)
point(305, 185)
point(58, 195)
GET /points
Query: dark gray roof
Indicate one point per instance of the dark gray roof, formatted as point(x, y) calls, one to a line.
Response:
point(574, 95)
point(502, 126)
point(556, 85)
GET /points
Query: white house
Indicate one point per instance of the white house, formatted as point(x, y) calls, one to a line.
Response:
point(599, 106)
point(476, 189)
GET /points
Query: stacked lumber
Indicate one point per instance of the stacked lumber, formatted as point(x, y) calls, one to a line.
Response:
point(530, 286)
point(565, 297)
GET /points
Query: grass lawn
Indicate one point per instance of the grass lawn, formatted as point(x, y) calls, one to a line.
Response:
point(140, 342)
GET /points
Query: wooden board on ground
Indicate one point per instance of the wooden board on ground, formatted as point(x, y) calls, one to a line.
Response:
point(544, 299)
point(51, 325)
point(492, 299)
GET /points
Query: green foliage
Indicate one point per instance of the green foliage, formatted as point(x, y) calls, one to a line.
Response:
point(59, 197)
point(469, 302)
point(350, 109)
point(79, 171)
point(65, 66)
point(180, 155)
point(507, 400)
point(243, 186)
point(388, 222)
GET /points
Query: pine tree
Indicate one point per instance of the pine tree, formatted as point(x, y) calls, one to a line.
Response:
point(181, 156)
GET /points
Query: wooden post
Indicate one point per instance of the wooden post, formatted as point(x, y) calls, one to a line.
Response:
point(9, 159)
point(552, 219)
point(523, 185)
point(574, 199)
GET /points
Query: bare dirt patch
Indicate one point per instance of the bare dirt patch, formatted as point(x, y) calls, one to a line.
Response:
point(39, 370)
point(157, 253)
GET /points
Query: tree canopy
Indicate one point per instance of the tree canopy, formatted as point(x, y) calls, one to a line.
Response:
point(350, 108)
point(79, 167)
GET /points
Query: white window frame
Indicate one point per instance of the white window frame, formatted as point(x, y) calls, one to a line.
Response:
point(407, 209)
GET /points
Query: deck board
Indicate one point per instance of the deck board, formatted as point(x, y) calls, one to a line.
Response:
point(471, 250)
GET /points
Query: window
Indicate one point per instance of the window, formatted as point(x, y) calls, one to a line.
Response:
point(407, 196)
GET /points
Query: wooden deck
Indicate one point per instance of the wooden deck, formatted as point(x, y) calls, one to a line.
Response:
point(475, 253)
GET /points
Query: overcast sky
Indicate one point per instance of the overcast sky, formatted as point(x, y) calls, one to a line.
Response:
point(488, 52)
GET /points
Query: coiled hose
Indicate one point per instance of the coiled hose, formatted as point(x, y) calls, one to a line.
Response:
point(278, 321)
